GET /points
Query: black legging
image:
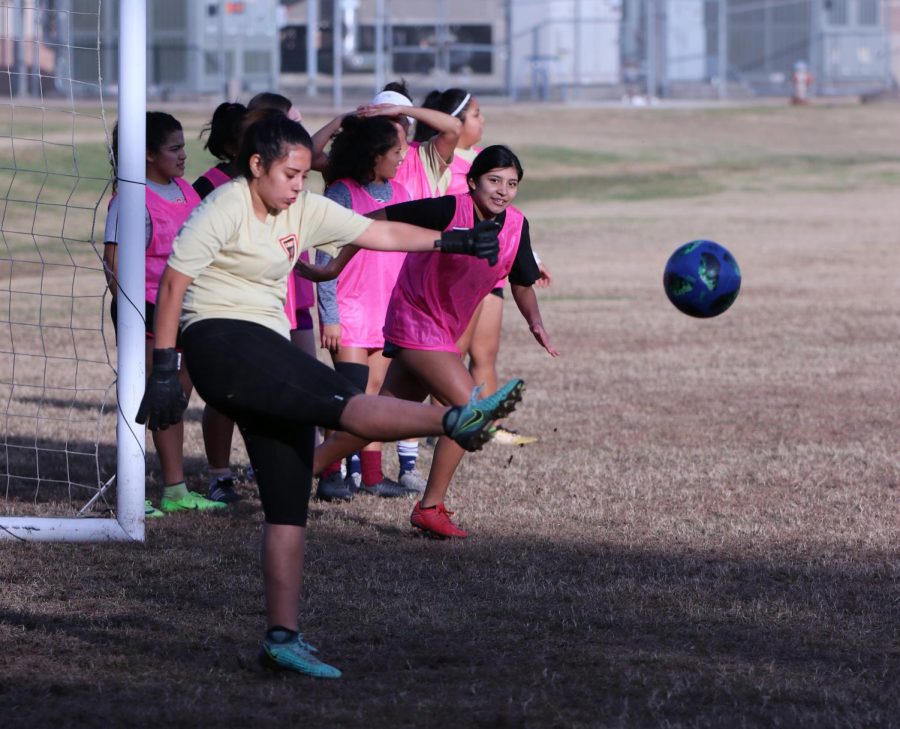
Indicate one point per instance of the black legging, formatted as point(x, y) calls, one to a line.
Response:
point(276, 394)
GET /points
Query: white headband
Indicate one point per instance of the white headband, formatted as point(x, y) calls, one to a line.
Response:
point(462, 105)
point(393, 97)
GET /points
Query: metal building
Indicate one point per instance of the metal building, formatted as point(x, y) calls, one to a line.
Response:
point(193, 47)
point(752, 46)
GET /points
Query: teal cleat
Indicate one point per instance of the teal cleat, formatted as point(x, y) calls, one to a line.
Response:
point(294, 654)
point(472, 425)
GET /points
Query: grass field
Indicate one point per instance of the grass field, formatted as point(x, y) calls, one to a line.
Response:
point(706, 534)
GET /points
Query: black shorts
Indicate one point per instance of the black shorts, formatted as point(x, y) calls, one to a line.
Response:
point(497, 291)
point(277, 394)
point(149, 313)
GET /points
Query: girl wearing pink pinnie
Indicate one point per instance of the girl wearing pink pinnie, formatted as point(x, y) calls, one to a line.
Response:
point(431, 305)
point(363, 163)
point(461, 104)
point(481, 340)
point(169, 202)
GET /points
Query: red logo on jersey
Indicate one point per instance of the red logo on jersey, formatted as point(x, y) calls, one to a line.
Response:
point(289, 244)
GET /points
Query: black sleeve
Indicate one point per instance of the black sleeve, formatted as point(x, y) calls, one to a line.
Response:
point(202, 186)
point(524, 270)
point(435, 213)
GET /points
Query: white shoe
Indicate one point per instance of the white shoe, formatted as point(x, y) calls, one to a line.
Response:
point(413, 481)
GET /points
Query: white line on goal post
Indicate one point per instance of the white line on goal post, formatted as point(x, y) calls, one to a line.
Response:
point(130, 437)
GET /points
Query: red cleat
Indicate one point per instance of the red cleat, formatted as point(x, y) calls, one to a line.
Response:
point(435, 521)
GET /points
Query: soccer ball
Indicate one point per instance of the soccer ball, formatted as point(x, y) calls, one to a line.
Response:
point(702, 279)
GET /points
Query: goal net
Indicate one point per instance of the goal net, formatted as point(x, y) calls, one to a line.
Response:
point(61, 421)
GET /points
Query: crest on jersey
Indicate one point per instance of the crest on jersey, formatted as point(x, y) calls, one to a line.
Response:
point(289, 243)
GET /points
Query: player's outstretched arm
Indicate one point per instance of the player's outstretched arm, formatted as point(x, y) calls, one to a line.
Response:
point(479, 241)
point(527, 302)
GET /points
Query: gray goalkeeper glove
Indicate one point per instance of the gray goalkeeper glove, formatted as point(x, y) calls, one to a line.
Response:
point(480, 241)
point(164, 402)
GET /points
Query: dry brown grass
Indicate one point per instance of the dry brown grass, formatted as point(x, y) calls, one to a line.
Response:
point(706, 534)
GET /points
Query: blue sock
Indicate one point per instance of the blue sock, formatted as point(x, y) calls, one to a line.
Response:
point(407, 454)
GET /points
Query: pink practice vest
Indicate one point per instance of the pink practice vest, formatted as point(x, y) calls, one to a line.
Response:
point(459, 168)
point(216, 177)
point(437, 293)
point(413, 175)
point(166, 219)
point(365, 285)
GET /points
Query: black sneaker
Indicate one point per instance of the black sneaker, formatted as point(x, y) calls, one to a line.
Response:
point(222, 490)
point(385, 488)
point(333, 488)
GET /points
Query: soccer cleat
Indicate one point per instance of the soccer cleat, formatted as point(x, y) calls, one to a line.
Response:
point(385, 488)
point(333, 488)
point(150, 511)
point(192, 502)
point(471, 425)
point(353, 481)
point(505, 436)
point(294, 655)
point(435, 521)
point(413, 481)
point(222, 489)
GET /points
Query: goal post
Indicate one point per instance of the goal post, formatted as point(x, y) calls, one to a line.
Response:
point(26, 390)
point(130, 437)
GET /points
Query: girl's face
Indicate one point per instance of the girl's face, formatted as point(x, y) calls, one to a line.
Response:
point(495, 190)
point(386, 164)
point(278, 187)
point(167, 162)
point(473, 126)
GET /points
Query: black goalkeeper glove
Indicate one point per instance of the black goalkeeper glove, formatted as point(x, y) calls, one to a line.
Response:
point(164, 402)
point(480, 241)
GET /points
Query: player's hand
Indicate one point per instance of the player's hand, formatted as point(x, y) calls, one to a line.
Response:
point(479, 241)
point(331, 337)
point(368, 110)
point(543, 339)
point(164, 402)
point(546, 279)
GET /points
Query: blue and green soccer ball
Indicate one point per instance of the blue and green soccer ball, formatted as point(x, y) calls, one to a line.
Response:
point(702, 279)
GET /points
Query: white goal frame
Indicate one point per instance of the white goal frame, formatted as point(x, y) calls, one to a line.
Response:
point(128, 522)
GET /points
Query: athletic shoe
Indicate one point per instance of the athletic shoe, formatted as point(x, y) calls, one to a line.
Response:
point(333, 488)
point(222, 489)
point(353, 481)
point(295, 655)
point(470, 425)
point(435, 522)
point(150, 511)
point(413, 481)
point(385, 488)
point(506, 436)
point(192, 502)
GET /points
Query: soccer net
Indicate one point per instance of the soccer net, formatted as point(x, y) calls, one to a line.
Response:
point(58, 404)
